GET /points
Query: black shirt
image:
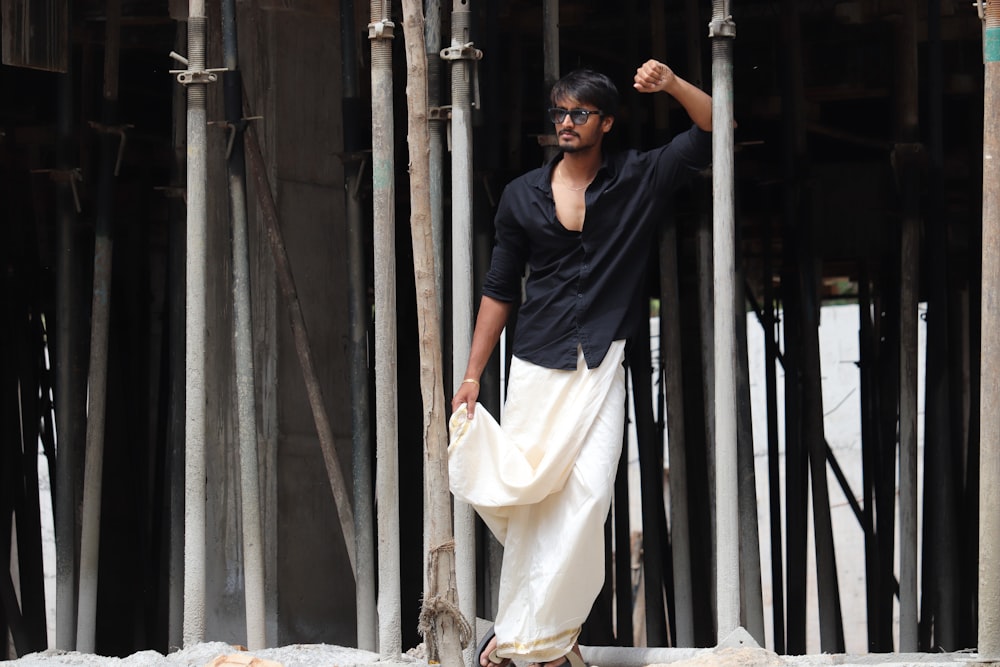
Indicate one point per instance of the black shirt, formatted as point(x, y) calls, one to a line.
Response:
point(581, 285)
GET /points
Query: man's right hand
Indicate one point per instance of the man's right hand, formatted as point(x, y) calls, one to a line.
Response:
point(467, 393)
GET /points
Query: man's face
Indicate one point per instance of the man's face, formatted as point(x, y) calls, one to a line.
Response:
point(588, 134)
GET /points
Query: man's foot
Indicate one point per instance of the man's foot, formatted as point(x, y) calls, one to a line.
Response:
point(571, 659)
point(487, 652)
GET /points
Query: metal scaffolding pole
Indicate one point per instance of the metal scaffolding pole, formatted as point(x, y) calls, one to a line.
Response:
point(246, 413)
point(90, 531)
point(436, 128)
point(380, 32)
point(905, 154)
point(671, 363)
point(773, 454)
point(722, 30)
point(195, 351)
point(462, 56)
point(68, 391)
point(989, 414)
point(752, 597)
point(359, 313)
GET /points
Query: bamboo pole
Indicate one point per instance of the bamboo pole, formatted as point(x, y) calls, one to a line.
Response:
point(445, 631)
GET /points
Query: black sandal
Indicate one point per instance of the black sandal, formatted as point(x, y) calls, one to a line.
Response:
point(492, 657)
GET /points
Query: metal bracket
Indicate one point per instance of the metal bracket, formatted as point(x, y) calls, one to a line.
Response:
point(189, 76)
point(232, 129)
point(464, 52)
point(981, 10)
point(439, 113)
point(381, 29)
point(467, 52)
point(71, 176)
point(722, 28)
point(120, 131)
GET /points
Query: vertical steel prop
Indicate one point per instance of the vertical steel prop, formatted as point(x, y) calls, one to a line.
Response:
point(380, 32)
point(722, 31)
point(359, 313)
point(246, 413)
point(989, 414)
point(773, 452)
point(68, 396)
point(90, 531)
point(196, 79)
point(904, 157)
point(436, 117)
point(463, 56)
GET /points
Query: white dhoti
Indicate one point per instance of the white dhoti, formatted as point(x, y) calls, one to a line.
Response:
point(543, 485)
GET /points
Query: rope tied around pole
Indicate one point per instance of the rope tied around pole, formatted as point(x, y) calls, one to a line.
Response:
point(436, 606)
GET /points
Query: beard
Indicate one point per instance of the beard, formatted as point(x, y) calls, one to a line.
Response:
point(569, 147)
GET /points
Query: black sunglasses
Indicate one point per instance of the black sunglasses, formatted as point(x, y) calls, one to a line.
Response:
point(578, 116)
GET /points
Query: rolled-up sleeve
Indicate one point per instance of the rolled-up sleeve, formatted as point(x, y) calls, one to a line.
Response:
point(688, 153)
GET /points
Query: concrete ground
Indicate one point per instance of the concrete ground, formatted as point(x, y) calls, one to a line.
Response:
point(739, 650)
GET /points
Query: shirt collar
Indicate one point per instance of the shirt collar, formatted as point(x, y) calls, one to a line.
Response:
point(543, 177)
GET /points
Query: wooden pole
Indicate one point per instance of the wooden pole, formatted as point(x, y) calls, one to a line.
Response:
point(445, 630)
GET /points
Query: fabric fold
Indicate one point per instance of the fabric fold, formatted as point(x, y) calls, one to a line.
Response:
point(542, 482)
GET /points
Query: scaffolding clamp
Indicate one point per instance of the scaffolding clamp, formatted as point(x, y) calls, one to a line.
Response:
point(464, 52)
point(189, 76)
point(722, 27)
point(467, 52)
point(120, 131)
point(382, 29)
point(439, 113)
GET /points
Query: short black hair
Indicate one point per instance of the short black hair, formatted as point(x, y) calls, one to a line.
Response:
point(589, 87)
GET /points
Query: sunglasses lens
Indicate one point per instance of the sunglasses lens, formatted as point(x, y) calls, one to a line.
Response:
point(557, 115)
point(579, 117)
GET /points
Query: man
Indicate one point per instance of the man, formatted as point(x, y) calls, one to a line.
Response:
point(583, 224)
